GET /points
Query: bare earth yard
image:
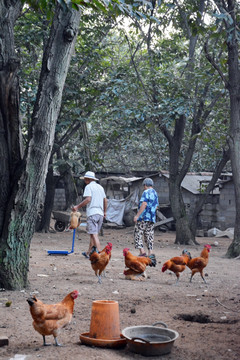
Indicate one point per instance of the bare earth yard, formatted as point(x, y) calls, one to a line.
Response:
point(207, 317)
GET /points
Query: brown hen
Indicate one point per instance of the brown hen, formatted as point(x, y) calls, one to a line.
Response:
point(48, 319)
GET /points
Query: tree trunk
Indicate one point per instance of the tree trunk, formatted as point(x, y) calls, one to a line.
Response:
point(20, 223)
point(44, 223)
point(183, 233)
point(70, 189)
point(10, 139)
point(234, 138)
point(87, 151)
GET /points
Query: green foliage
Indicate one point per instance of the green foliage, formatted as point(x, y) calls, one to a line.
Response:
point(137, 8)
point(110, 113)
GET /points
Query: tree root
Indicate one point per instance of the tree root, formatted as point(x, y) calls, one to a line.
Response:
point(226, 306)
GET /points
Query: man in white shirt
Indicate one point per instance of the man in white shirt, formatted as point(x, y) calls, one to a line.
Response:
point(96, 202)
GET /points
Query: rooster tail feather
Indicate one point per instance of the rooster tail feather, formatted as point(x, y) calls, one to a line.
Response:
point(186, 252)
point(94, 249)
point(153, 259)
point(32, 300)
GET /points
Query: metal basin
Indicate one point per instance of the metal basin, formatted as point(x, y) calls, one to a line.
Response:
point(150, 340)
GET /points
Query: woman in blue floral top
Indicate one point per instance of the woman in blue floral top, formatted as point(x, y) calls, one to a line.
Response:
point(145, 218)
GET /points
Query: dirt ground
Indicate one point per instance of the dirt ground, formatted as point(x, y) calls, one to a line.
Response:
point(207, 317)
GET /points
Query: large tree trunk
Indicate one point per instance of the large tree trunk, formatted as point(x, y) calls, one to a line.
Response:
point(19, 224)
point(10, 139)
point(183, 232)
point(234, 138)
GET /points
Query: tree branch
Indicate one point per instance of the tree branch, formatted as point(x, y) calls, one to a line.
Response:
point(214, 64)
point(135, 66)
point(165, 131)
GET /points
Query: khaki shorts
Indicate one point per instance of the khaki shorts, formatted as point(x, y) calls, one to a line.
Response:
point(94, 224)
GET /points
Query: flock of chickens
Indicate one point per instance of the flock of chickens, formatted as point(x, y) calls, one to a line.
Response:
point(49, 319)
point(178, 264)
point(136, 265)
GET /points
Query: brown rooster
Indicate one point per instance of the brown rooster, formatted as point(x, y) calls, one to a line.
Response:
point(177, 264)
point(99, 261)
point(197, 264)
point(137, 265)
point(109, 245)
point(48, 319)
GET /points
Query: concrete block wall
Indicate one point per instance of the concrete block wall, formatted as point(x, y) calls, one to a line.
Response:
point(227, 196)
point(208, 217)
point(227, 209)
point(59, 200)
point(161, 187)
point(219, 210)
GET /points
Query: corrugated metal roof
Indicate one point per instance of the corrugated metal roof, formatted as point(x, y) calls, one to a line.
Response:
point(119, 179)
point(193, 182)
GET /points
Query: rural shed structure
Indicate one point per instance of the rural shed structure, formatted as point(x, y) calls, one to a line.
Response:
point(219, 208)
point(125, 191)
point(119, 187)
point(123, 197)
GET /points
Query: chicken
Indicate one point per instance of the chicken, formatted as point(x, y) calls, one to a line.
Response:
point(199, 263)
point(137, 265)
point(75, 219)
point(109, 245)
point(177, 264)
point(48, 319)
point(99, 261)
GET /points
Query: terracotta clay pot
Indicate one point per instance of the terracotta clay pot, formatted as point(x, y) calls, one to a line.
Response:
point(105, 322)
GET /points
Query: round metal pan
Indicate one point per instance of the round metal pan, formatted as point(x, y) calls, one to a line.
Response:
point(150, 340)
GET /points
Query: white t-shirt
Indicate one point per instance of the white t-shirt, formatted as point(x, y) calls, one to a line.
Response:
point(97, 193)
